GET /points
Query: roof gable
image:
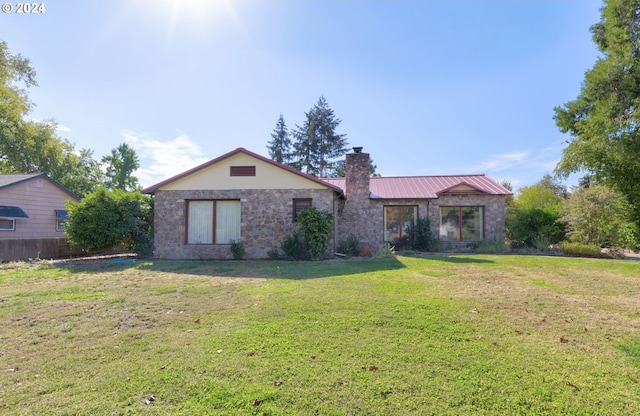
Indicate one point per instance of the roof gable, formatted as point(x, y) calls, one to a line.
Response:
point(462, 188)
point(9, 180)
point(218, 174)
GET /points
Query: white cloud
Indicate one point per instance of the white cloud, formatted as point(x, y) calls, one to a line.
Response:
point(160, 160)
point(63, 128)
point(499, 163)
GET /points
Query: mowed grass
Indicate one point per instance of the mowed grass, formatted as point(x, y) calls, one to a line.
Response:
point(476, 335)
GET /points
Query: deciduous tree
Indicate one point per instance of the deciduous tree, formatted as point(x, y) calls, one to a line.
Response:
point(121, 164)
point(604, 120)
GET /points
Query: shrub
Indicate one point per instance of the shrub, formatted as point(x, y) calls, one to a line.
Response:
point(273, 253)
point(351, 246)
point(419, 236)
point(237, 249)
point(104, 219)
point(581, 250)
point(528, 226)
point(387, 250)
point(316, 228)
point(293, 247)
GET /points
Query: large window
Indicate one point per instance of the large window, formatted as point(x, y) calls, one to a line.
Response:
point(213, 222)
point(461, 223)
point(397, 219)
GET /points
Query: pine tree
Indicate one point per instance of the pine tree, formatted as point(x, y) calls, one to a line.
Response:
point(317, 145)
point(280, 146)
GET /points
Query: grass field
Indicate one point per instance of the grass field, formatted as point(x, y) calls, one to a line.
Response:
point(458, 335)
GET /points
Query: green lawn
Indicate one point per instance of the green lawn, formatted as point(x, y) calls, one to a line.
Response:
point(436, 335)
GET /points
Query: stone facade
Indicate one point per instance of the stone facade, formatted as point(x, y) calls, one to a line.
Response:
point(266, 218)
point(363, 216)
point(266, 214)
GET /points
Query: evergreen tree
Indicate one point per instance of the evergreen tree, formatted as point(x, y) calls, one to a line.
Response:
point(280, 146)
point(317, 145)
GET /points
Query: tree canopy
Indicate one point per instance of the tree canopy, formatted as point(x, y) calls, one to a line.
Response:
point(280, 144)
point(603, 120)
point(32, 146)
point(316, 144)
point(120, 165)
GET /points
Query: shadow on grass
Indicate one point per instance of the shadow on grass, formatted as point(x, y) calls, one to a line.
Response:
point(243, 268)
point(449, 258)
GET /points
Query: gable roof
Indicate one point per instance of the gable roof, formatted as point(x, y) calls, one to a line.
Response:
point(7, 180)
point(427, 187)
point(154, 188)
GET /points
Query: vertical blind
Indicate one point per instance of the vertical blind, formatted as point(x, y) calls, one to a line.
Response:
point(227, 221)
point(201, 222)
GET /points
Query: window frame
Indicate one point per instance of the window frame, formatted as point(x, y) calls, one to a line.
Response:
point(59, 222)
point(296, 210)
point(13, 224)
point(461, 227)
point(214, 213)
point(401, 230)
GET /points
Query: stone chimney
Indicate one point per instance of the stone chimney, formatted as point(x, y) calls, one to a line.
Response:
point(357, 175)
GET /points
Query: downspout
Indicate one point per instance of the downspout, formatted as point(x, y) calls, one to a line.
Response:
point(335, 223)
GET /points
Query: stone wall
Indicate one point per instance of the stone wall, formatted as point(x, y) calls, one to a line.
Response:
point(266, 218)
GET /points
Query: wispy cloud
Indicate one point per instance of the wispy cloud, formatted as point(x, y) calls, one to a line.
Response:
point(502, 162)
point(63, 128)
point(162, 159)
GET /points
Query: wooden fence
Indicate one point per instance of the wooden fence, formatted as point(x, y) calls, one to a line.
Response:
point(46, 248)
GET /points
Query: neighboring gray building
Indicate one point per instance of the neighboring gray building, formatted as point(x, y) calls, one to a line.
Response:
point(246, 197)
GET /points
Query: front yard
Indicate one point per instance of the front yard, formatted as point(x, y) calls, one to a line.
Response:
point(465, 334)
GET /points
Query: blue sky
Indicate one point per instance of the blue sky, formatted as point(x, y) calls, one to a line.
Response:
point(426, 87)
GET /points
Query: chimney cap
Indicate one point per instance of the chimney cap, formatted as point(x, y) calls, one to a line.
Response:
point(357, 149)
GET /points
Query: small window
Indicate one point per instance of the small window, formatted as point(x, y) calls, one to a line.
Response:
point(61, 218)
point(298, 205)
point(7, 224)
point(243, 171)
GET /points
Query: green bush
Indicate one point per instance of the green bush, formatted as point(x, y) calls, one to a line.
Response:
point(273, 253)
point(531, 226)
point(581, 250)
point(419, 236)
point(104, 219)
point(351, 246)
point(237, 249)
point(293, 247)
point(316, 228)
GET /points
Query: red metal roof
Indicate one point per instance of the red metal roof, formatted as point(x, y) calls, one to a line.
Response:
point(416, 187)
